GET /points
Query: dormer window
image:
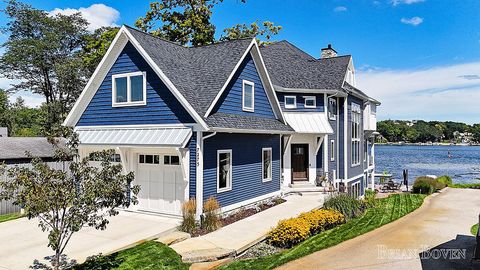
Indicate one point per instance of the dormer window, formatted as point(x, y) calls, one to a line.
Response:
point(248, 96)
point(129, 89)
point(310, 102)
point(290, 102)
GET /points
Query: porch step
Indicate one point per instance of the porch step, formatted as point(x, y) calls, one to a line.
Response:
point(302, 187)
point(303, 184)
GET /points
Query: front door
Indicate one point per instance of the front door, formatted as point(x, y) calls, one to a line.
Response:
point(299, 162)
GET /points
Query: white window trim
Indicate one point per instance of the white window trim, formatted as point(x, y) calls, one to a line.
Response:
point(310, 98)
point(244, 108)
point(331, 116)
point(129, 96)
point(294, 106)
point(332, 150)
point(271, 164)
point(229, 183)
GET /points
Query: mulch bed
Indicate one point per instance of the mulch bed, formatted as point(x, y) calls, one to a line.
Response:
point(241, 214)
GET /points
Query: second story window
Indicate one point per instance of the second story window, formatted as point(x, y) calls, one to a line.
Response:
point(332, 108)
point(129, 89)
point(290, 102)
point(310, 102)
point(248, 96)
point(356, 115)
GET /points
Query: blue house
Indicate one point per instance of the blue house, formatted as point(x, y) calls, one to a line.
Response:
point(229, 120)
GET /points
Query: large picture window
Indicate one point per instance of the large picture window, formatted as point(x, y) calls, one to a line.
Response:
point(224, 170)
point(129, 89)
point(266, 164)
point(248, 96)
point(355, 129)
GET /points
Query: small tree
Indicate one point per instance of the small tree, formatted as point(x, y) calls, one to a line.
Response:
point(66, 200)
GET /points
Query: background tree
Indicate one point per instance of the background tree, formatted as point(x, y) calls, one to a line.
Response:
point(188, 22)
point(42, 53)
point(5, 114)
point(65, 201)
point(96, 45)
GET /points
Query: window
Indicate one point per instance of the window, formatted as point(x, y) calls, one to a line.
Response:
point(129, 89)
point(290, 102)
point(224, 170)
point(171, 160)
point(332, 150)
point(266, 164)
point(355, 129)
point(248, 96)
point(96, 156)
point(149, 159)
point(310, 102)
point(332, 108)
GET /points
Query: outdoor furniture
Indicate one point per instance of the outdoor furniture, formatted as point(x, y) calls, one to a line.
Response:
point(390, 186)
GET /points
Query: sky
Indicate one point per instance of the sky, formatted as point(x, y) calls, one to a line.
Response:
point(420, 58)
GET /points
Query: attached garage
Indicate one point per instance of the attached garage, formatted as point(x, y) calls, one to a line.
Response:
point(159, 157)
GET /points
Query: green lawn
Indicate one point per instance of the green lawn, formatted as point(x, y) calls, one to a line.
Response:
point(387, 210)
point(474, 229)
point(8, 217)
point(149, 255)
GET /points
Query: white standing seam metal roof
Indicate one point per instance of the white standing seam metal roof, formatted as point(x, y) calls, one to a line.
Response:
point(309, 123)
point(172, 137)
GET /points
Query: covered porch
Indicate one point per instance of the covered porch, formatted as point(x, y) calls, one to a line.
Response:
point(301, 151)
point(159, 157)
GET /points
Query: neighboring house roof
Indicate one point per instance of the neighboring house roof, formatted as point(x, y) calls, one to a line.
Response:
point(234, 121)
point(17, 147)
point(290, 67)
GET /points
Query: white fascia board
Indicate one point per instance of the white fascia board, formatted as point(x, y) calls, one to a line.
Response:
point(167, 81)
point(219, 94)
point(253, 131)
point(97, 77)
point(267, 82)
point(310, 91)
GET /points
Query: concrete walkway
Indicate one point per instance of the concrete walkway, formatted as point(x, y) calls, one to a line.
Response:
point(237, 237)
point(22, 241)
point(442, 223)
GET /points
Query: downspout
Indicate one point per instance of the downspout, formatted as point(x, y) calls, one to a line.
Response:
point(199, 180)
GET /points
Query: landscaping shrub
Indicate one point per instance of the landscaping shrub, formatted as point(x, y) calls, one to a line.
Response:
point(322, 219)
point(188, 214)
point(211, 220)
point(289, 232)
point(347, 205)
point(370, 198)
point(445, 179)
point(426, 185)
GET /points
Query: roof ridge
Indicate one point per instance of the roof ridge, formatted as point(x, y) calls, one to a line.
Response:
point(156, 37)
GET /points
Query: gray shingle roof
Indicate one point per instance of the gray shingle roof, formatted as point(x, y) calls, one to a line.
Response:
point(197, 72)
point(223, 120)
point(16, 147)
point(290, 67)
point(357, 92)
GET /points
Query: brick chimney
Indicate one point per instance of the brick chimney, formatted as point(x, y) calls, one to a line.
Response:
point(328, 52)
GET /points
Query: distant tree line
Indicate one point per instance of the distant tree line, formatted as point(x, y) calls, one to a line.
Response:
point(419, 131)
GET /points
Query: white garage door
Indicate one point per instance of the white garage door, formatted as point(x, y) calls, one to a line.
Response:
point(161, 182)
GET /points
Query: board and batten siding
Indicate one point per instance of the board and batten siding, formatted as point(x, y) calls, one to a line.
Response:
point(358, 169)
point(192, 146)
point(247, 166)
point(231, 100)
point(162, 107)
point(320, 106)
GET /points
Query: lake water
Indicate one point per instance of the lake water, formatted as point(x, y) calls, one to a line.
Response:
point(463, 165)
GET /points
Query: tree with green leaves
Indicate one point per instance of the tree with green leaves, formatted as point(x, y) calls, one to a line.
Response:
point(6, 119)
point(189, 22)
point(41, 52)
point(96, 45)
point(64, 201)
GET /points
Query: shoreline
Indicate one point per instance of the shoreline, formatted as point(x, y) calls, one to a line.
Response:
point(426, 144)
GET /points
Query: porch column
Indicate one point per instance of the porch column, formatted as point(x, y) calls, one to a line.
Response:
point(373, 163)
point(199, 175)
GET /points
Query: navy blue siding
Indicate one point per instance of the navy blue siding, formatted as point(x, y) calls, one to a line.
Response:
point(301, 102)
point(231, 100)
point(162, 106)
point(341, 139)
point(192, 146)
point(354, 170)
point(247, 166)
point(332, 165)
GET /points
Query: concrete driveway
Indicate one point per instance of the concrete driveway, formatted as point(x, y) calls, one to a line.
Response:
point(22, 241)
point(441, 225)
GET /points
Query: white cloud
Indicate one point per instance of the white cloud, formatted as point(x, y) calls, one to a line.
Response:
point(437, 93)
point(412, 21)
point(340, 9)
point(97, 15)
point(31, 100)
point(406, 2)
